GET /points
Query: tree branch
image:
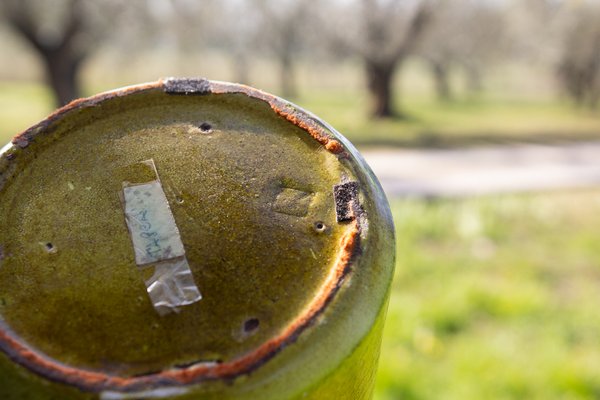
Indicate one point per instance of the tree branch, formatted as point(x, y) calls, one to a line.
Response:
point(74, 24)
point(18, 15)
point(419, 22)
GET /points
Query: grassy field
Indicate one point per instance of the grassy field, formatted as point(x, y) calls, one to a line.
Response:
point(464, 122)
point(489, 119)
point(495, 298)
point(21, 105)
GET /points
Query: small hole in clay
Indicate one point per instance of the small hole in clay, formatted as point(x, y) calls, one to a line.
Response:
point(179, 200)
point(50, 248)
point(251, 325)
point(205, 127)
point(320, 227)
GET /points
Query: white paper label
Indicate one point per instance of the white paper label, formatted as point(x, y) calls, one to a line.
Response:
point(157, 244)
point(153, 230)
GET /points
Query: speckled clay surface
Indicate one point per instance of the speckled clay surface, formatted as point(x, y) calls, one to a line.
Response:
point(290, 295)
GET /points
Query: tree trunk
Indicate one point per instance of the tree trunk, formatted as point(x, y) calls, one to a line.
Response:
point(61, 58)
point(474, 79)
point(241, 67)
point(440, 72)
point(379, 83)
point(287, 75)
point(62, 69)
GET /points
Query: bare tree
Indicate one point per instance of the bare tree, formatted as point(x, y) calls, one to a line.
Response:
point(241, 39)
point(282, 33)
point(382, 33)
point(386, 50)
point(228, 26)
point(579, 67)
point(63, 34)
point(537, 28)
point(61, 55)
point(441, 47)
point(467, 35)
point(246, 30)
point(238, 34)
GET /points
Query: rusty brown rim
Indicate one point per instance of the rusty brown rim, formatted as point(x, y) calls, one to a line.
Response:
point(94, 381)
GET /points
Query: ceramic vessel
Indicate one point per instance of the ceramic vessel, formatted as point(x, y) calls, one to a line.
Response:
point(190, 239)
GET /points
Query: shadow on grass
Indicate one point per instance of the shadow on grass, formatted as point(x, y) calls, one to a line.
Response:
point(434, 140)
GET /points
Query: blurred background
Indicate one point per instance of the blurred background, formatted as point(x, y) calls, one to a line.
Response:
point(479, 116)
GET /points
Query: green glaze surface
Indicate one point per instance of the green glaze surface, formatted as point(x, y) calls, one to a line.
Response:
point(16, 383)
point(85, 302)
point(247, 198)
point(355, 377)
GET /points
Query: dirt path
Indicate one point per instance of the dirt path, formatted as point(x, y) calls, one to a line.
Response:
point(485, 170)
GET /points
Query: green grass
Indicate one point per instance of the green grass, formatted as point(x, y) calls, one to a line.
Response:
point(495, 298)
point(22, 104)
point(463, 122)
point(489, 119)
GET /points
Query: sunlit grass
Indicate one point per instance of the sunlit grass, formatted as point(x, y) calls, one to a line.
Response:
point(490, 118)
point(495, 298)
point(22, 104)
point(465, 121)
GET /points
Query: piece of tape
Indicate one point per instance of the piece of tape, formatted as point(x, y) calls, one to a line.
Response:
point(172, 285)
point(157, 244)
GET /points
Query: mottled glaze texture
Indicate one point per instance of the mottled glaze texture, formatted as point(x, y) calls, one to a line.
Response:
point(290, 295)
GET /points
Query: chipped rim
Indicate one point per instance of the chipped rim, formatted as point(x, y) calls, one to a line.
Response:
point(94, 381)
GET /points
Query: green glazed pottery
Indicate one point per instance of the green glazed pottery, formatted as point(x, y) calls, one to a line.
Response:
point(190, 239)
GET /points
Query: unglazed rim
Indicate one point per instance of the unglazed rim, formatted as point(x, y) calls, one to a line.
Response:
point(93, 381)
